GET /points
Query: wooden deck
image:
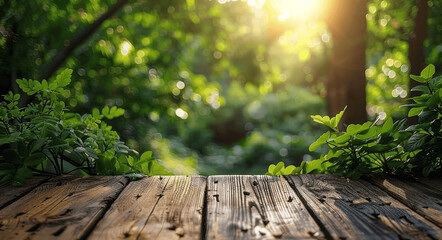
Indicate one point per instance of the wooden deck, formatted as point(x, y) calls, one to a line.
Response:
point(221, 207)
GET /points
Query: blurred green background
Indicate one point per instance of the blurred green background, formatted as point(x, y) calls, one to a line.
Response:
point(217, 87)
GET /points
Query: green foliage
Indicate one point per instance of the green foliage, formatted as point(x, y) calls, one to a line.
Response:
point(426, 138)
point(43, 137)
point(390, 147)
point(311, 167)
point(158, 58)
point(331, 123)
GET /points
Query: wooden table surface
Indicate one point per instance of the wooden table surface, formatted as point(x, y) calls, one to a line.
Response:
point(222, 207)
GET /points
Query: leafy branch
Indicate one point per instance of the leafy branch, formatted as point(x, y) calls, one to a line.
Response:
point(44, 138)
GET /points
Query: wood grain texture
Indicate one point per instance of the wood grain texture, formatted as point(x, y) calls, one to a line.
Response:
point(256, 207)
point(425, 200)
point(9, 193)
point(158, 207)
point(356, 209)
point(435, 183)
point(65, 207)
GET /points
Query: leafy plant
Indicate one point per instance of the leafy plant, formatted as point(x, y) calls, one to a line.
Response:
point(43, 137)
point(389, 147)
point(426, 138)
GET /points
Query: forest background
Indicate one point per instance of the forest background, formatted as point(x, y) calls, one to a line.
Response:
point(224, 87)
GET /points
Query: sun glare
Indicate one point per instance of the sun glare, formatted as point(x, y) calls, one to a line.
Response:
point(298, 9)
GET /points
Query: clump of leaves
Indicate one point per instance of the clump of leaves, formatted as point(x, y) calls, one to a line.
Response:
point(311, 167)
point(390, 147)
point(363, 148)
point(43, 137)
point(426, 139)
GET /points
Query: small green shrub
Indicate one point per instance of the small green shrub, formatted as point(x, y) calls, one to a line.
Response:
point(43, 137)
point(390, 147)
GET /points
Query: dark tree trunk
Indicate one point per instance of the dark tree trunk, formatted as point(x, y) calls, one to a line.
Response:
point(416, 44)
point(416, 54)
point(346, 84)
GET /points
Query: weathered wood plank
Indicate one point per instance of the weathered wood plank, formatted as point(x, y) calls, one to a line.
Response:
point(9, 193)
point(159, 207)
point(65, 207)
point(425, 200)
point(256, 207)
point(435, 183)
point(355, 209)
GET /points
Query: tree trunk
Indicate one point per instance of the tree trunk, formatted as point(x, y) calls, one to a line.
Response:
point(346, 84)
point(416, 44)
point(416, 54)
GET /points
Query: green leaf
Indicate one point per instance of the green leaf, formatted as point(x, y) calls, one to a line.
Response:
point(428, 72)
point(288, 170)
point(378, 148)
point(23, 84)
point(16, 97)
point(353, 129)
point(146, 156)
point(418, 78)
point(119, 112)
point(320, 141)
point(64, 78)
point(335, 120)
point(343, 138)
point(53, 86)
point(420, 88)
point(38, 144)
point(315, 166)
point(433, 101)
point(96, 113)
point(321, 120)
point(387, 126)
point(416, 141)
point(37, 86)
point(44, 85)
point(427, 116)
point(130, 161)
point(105, 111)
point(91, 152)
point(115, 112)
point(5, 139)
point(8, 97)
point(415, 111)
point(277, 168)
point(331, 123)
point(35, 159)
point(436, 82)
point(270, 169)
point(422, 98)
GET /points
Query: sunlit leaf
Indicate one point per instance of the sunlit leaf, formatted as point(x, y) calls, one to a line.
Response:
point(428, 72)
